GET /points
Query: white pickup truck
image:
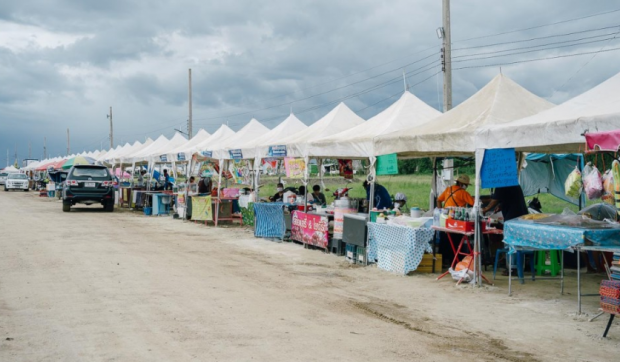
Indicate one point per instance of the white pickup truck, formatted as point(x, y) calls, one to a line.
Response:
point(16, 181)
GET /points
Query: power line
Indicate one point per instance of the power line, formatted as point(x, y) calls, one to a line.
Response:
point(532, 51)
point(537, 26)
point(537, 59)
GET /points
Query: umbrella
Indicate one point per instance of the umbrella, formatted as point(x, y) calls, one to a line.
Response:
point(78, 160)
point(55, 165)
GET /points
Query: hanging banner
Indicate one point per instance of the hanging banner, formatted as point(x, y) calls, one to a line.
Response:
point(499, 168)
point(207, 154)
point(295, 167)
point(201, 208)
point(181, 156)
point(339, 220)
point(208, 169)
point(387, 164)
point(346, 168)
point(277, 151)
point(163, 158)
point(241, 172)
point(236, 154)
point(310, 229)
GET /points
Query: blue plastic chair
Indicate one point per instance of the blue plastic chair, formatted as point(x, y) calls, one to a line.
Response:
point(520, 263)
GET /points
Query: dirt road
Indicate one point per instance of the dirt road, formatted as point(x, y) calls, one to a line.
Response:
point(95, 286)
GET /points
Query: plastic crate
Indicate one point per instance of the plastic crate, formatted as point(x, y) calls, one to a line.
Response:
point(351, 253)
point(361, 255)
point(426, 265)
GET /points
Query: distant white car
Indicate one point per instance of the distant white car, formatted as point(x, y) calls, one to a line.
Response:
point(16, 181)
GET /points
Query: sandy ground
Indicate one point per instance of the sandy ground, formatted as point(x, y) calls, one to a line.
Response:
point(95, 286)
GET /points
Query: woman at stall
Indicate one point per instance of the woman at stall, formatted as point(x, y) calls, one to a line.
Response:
point(456, 195)
point(400, 200)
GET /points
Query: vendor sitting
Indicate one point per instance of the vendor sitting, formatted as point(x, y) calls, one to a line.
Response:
point(301, 193)
point(382, 199)
point(279, 195)
point(400, 200)
point(318, 196)
point(457, 195)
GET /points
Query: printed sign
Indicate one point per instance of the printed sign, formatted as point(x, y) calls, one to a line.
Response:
point(339, 220)
point(163, 158)
point(277, 151)
point(181, 156)
point(309, 229)
point(236, 154)
point(387, 164)
point(499, 168)
point(207, 154)
point(202, 208)
point(295, 167)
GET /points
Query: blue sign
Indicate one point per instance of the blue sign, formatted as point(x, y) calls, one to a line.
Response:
point(207, 154)
point(236, 154)
point(163, 158)
point(277, 151)
point(499, 168)
point(181, 156)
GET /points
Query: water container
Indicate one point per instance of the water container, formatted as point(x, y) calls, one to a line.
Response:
point(416, 212)
point(436, 215)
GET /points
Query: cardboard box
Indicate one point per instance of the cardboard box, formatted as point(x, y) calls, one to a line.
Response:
point(426, 265)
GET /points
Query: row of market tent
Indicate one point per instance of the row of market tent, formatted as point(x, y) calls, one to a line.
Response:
point(500, 115)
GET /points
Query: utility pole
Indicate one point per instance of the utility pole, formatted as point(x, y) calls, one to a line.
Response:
point(45, 148)
point(68, 143)
point(447, 58)
point(111, 129)
point(189, 121)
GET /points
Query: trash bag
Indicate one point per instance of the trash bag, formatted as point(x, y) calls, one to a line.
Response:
point(573, 185)
point(593, 184)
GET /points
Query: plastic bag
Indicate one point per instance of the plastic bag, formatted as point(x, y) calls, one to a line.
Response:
point(465, 275)
point(572, 185)
point(593, 184)
point(608, 188)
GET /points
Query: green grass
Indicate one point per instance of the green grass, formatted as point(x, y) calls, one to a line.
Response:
point(416, 187)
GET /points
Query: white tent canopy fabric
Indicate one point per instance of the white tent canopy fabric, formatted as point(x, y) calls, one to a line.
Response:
point(246, 134)
point(223, 133)
point(136, 148)
point(10, 168)
point(143, 154)
point(339, 119)
point(163, 153)
point(453, 133)
point(290, 126)
point(357, 142)
point(198, 138)
point(109, 154)
point(560, 129)
point(112, 156)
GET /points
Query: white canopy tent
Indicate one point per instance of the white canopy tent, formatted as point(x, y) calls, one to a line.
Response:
point(198, 138)
point(357, 142)
point(163, 154)
point(559, 129)
point(339, 119)
point(290, 126)
point(223, 133)
point(453, 133)
point(144, 154)
point(250, 131)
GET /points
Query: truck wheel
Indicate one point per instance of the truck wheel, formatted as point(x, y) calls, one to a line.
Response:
point(26, 190)
point(6, 189)
point(66, 207)
point(109, 206)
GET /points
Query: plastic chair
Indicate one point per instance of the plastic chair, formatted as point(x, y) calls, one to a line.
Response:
point(520, 262)
point(541, 262)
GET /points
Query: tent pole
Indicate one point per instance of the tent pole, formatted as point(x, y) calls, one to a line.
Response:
point(479, 157)
point(219, 191)
point(433, 196)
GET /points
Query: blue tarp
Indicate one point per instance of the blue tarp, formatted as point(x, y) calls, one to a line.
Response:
point(546, 173)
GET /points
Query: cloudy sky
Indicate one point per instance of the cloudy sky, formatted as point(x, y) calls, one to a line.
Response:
point(63, 63)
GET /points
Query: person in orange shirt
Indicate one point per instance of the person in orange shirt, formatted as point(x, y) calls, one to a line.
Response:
point(457, 195)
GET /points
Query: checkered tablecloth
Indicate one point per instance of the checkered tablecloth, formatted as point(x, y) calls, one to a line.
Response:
point(269, 220)
point(398, 249)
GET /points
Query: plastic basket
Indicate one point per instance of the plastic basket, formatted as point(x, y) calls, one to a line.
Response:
point(148, 211)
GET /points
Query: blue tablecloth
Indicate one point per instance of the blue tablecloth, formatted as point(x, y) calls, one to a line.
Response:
point(269, 220)
point(398, 249)
point(528, 234)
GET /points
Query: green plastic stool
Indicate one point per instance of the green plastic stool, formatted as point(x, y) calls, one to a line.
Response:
point(541, 262)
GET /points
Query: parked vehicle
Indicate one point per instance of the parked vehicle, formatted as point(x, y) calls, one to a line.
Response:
point(16, 181)
point(3, 176)
point(88, 184)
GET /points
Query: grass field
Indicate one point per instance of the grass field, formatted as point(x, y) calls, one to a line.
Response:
point(416, 187)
